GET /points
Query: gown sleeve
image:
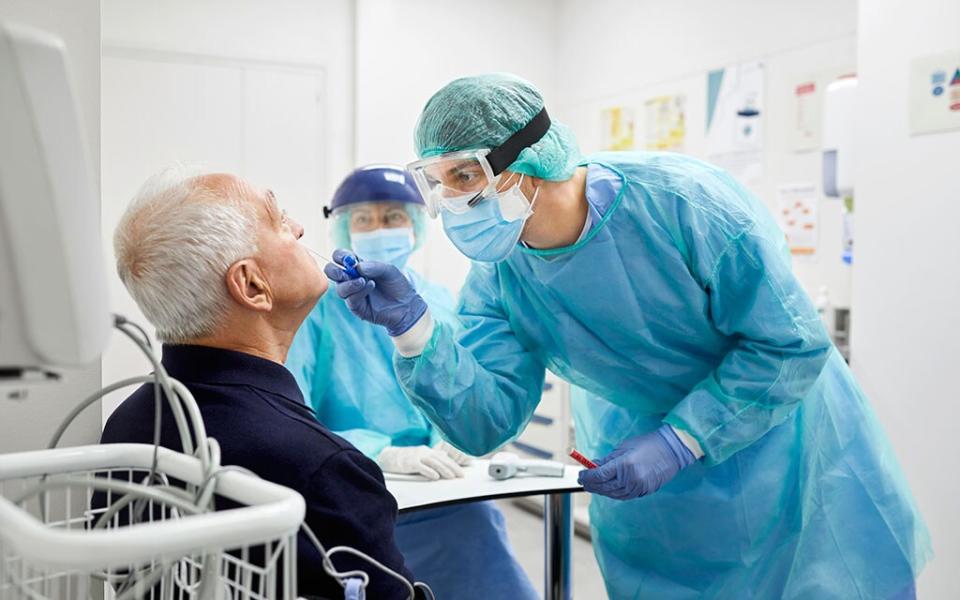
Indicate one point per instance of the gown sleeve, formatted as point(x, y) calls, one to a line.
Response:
point(302, 358)
point(309, 360)
point(779, 345)
point(481, 385)
point(371, 443)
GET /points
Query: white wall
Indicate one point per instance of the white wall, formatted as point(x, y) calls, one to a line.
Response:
point(638, 50)
point(408, 49)
point(260, 89)
point(258, 54)
point(29, 425)
point(281, 31)
point(612, 45)
point(906, 281)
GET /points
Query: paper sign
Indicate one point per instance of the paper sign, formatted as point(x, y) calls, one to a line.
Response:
point(935, 93)
point(735, 114)
point(618, 128)
point(666, 123)
point(807, 101)
point(798, 218)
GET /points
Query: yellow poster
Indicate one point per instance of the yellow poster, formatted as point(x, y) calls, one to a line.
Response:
point(666, 123)
point(618, 126)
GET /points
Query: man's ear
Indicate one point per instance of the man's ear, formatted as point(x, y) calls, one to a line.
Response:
point(248, 287)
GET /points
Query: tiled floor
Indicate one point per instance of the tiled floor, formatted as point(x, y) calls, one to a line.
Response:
point(526, 535)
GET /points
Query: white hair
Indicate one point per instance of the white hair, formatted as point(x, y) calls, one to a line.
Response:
point(174, 245)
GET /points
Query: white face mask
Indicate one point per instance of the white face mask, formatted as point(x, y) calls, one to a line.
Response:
point(489, 231)
point(514, 206)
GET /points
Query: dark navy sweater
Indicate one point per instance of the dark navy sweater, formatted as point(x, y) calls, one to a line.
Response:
point(255, 410)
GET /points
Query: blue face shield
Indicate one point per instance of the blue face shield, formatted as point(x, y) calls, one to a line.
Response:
point(489, 231)
point(390, 245)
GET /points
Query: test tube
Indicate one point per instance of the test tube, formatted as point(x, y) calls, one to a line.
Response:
point(583, 460)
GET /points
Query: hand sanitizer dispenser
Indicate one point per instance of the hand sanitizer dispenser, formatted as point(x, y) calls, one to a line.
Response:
point(839, 109)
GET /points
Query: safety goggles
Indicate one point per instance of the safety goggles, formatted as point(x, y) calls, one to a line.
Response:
point(378, 214)
point(457, 181)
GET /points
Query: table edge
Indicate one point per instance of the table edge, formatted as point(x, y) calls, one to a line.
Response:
point(500, 496)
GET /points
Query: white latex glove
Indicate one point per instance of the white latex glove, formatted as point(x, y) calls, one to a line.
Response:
point(460, 458)
point(422, 460)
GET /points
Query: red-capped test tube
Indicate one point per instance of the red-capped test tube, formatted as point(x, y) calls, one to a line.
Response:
point(583, 460)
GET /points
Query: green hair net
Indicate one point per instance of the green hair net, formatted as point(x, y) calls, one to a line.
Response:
point(340, 228)
point(483, 112)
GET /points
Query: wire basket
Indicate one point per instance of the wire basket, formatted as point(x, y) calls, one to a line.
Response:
point(52, 548)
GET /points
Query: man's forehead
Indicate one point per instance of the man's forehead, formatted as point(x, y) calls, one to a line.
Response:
point(222, 183)
point(269, 202)
point(230, 188)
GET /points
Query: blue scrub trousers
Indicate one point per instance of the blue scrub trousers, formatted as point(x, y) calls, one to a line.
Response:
point(463, 553)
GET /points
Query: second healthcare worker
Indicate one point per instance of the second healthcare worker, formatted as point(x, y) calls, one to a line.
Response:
point(344, 368)
point(738, 458)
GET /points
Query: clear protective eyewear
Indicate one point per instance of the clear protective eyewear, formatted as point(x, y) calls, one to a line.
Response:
point(458, 181)
point(364, 217)
point(455, 181)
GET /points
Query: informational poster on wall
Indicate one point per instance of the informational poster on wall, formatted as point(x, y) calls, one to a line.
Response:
point(807, 99)
point(734, 138)
point(935, 93)
point(806, 108)
point(798, 219)
point(618, 124)
point(666, 123)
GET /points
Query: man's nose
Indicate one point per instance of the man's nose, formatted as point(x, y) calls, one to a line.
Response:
point(298, 230)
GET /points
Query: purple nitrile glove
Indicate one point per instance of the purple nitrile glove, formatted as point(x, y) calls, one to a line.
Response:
point(639, 466)
point(381, 295)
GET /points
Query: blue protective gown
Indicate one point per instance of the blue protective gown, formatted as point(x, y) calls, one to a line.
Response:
point(680, 306)
point(343, 366)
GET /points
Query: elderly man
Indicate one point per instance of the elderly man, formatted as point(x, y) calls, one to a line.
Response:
point(217, 268)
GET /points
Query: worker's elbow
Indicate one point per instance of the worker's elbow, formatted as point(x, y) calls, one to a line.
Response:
point(481, 445)
point(799, 374)
point(480, 440)
point(809, 353)
point(818, 353)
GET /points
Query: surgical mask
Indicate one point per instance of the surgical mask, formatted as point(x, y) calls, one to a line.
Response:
point(489, 231)
point(390, 245)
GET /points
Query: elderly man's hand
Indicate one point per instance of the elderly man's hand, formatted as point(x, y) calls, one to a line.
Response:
point(382, 294)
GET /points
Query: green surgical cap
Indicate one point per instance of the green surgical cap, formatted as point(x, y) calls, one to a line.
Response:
point(483, 112)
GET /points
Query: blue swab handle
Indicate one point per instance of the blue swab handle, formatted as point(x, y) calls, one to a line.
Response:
point(350, 266)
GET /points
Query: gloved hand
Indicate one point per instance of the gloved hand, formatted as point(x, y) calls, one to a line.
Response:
point(381, 295)
point(639, 466)
point(421, 460)
point(459, 457)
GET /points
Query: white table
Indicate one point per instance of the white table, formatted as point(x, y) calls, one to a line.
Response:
point(416, 493)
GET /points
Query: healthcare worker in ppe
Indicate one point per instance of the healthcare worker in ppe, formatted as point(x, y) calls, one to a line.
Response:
point(344, 368)
point(738, 458)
